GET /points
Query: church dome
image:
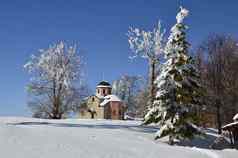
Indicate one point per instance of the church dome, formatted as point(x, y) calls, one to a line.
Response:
point(103, 89)
point(104, 84)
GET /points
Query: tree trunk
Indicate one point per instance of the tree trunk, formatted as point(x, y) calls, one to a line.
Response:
point(171, 140)
point(56, 109)
point(218, 116)
point(231, 138)
point(152, 80)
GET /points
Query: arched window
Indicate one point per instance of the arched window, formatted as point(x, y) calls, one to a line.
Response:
point(103, 91)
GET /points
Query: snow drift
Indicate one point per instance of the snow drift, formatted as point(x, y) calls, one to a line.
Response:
point(37, 138)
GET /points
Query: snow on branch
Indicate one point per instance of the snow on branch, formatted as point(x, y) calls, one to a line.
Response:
point(146, 44)
point(182, 14)
point(58, 62)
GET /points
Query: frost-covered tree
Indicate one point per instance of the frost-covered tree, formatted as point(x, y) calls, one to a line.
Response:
point(148, 45)
point(141, 100)
point(54, 73)
point(127, 87)
point(179, 89)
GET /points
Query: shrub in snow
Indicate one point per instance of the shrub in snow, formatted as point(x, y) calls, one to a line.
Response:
point(178, 85)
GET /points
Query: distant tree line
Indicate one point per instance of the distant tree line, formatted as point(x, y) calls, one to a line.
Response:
point(217, 60)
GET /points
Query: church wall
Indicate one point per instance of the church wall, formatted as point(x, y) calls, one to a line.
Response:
point(93, 103)
point(117, 111)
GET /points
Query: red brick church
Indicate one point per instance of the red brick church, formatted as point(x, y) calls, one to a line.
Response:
point(103, 105)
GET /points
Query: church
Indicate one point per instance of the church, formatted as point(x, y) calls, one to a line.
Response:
point(103, 105)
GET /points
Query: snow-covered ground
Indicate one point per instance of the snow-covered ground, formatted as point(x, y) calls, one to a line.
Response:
point(73, 138)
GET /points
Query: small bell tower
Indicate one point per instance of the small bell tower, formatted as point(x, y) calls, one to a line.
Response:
point(103, 89)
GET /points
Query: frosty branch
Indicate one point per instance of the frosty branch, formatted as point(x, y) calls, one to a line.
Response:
point(148, 45)
point(53, 74)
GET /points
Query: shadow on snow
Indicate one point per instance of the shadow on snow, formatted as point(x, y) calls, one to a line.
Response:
point(199, 142)
point(135, 128)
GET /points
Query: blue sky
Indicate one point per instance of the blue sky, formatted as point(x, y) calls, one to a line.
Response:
point(99, 26)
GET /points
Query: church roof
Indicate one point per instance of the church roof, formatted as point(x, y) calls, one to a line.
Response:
point(110, 98)
point(104, 84)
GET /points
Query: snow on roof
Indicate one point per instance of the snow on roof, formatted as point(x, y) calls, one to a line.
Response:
point(100, 86)
point(233, 124)
point(230, 125)
point(235, 118)
point(110, 98)
point(99, 96)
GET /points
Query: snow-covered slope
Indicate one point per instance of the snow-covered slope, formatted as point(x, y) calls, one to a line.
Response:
point(72, 138)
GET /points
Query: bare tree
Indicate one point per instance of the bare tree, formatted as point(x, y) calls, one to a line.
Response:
point(52, 86)
point(141, 100)
point(127, 88)
point(219, 72)
point(148, 45)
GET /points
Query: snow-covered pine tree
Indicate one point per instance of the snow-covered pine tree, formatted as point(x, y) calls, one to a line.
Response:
point(178, 86)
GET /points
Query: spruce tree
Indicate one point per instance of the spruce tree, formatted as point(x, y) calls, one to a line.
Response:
point(178, 88)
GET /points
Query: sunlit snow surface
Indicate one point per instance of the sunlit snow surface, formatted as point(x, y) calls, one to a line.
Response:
point(72, 138)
